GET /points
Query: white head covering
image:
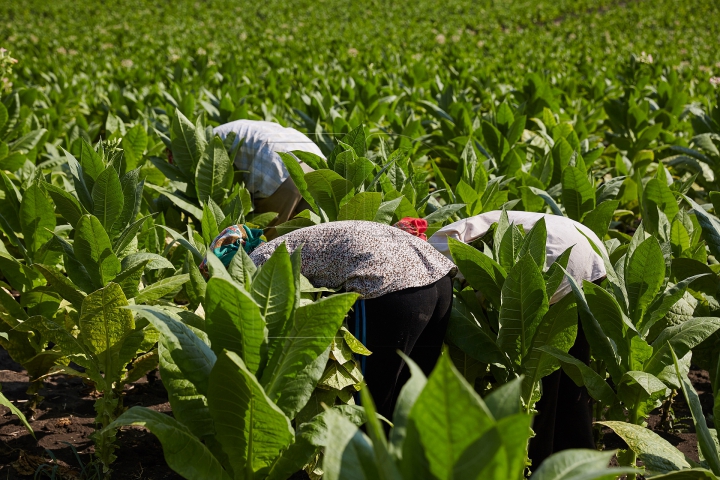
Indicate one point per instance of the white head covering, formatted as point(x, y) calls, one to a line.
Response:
point(562, 233)
point(257, 154)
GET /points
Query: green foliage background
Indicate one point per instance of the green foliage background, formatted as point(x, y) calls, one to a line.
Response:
point(306, 62)
point(601, 110)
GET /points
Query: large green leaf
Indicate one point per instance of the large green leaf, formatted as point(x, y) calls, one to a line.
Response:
point(482, 272)
point(185, 365)
point(558, 329)
point(363, 206)
point(598, 220)
point(473, 338)
point(349, 452)
point(134, 143)
point(187, 145)
point(680, 339)
point(93, 249)
point(524, 303)
point(387, 468)
point(448, 416)
point(58, 334)
point(179, 201)
point(644, 275)
point(534, 243)
point(241, 269)
point(355, 170)
point(665, 302)
point(708, 445)
point(403, 406)
point(656, 453)
point(250, 427)
point(509, 248)
point(641, 392)
point(327, 189)
point(183, 452)
point(197, 285)
point(209, 224)
point(599, 342)
point(609, 316)
point(234, 322)
point(27, 142)
point(213, 169)
point(578, 195)
point(154, 261)
point(710, 227)
point(108, 201)
point(579, 464)
point(581, 374)
point(498, 453)
point(66, 204)
point(80, 181)
point(127, 235)
point(91, 162)
point(37, 219)
point(159, 289)
point(298, 177)
point(505, 400)
point(657, 192)
point(61, 284)
point(103, 320)
point(132, 189)
point(443, 213)
point(314, 327)
point(274, 291)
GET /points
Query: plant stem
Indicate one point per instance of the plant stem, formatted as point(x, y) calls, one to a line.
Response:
point(667, 406)
point(633, 418)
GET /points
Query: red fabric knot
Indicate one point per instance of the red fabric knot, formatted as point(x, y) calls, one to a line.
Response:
point(413, 226)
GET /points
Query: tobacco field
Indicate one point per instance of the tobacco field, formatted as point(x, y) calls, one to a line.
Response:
point(602, 111)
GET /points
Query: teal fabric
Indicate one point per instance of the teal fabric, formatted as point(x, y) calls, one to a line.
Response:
point(254, 238)
point(226, 252)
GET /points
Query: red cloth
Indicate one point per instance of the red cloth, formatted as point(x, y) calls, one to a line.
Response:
point(413, 226)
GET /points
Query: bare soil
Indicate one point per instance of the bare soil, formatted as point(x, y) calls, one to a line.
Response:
point(682, 435)
point(65, 419)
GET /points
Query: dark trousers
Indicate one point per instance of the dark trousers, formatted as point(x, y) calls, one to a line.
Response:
point(413, 321)
point(564, 418)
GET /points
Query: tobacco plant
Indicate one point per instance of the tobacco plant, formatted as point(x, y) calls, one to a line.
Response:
point(443, 429)
point(239, 377)
point(506, 327)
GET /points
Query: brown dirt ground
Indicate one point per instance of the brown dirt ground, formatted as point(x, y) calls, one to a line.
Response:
point(65, 417)
point(682, 435)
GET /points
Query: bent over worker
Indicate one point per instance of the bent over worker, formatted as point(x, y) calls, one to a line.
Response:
point(405, 285)
point(267, 179)
point(564, 417)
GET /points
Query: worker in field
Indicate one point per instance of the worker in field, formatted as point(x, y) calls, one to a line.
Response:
point(404, 283)
point(267, 179)
point(564, 417)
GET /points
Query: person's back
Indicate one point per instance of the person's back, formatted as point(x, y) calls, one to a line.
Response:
point(266, 177)
point(562, 233)
point(365, 257)
point(564, 417)
point(258, 153)
point(405, 284)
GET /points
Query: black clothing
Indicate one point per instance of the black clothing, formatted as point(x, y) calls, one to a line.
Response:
point(564, 418)
point(414, 321)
